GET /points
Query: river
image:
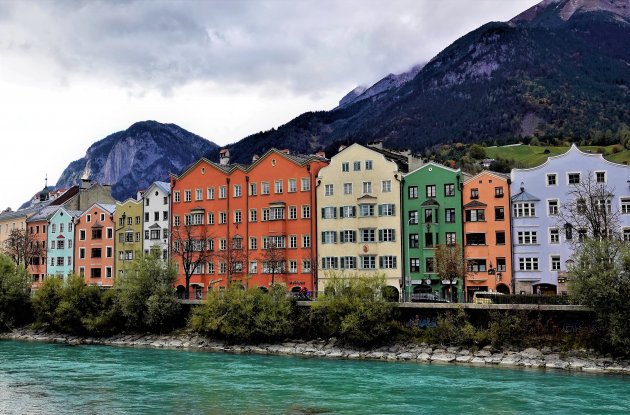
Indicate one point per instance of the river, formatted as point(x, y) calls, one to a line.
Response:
point(40, 378)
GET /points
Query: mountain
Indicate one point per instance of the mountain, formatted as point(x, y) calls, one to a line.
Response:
point(131, 160)
point(560, 70)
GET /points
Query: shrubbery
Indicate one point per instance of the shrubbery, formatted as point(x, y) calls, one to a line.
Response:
point(246, 315)
point(14, 294)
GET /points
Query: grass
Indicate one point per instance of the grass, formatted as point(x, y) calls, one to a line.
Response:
point(531, 156)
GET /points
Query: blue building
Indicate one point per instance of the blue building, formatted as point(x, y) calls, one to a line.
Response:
point(60, 252)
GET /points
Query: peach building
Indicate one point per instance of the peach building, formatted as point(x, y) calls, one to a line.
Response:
point(94, 245)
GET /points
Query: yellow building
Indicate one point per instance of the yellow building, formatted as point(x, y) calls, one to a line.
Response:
point(128, 245)
point(358, 217)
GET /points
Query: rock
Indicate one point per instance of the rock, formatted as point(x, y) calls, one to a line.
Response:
point(424, 357)
point(510, 360)
point(531, 353)
point(463, 359)
point(557, 364)
point(354, 356)
point(478, 361)
point(495, 359)
point(483, 353)
point(406, 356)
point(443, 357)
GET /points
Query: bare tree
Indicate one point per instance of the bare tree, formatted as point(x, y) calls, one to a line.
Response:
point(273, 257)
point(191, 244)
point(450, 264)
point(235, 259)
point(589, 211)
point(22, 248)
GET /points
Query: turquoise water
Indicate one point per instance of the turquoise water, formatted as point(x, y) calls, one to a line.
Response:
point(37, 378)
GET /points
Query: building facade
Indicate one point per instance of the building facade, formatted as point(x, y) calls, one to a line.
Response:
point(37, 226)
point(128, 234)
point(156, 202)
point(487, 236)
point(252, 223)
point(432, 216)
point(358, 217)
point(61, 243)
point(541, 238)
point(94, 245)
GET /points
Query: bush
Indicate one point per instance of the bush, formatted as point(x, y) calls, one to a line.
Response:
point(453, 329)
point(14, 294)
point(46, 300)
point(251, 315)
point(353, 310)
point(78, 304)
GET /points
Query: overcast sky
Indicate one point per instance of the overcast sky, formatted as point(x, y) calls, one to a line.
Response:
point(73, 72)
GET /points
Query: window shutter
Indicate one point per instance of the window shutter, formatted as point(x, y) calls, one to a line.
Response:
point(354, 211)
point(380, 262)
point(323, 212)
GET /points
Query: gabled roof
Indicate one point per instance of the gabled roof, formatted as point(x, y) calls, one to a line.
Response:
point(573, 150)
point(106, 207)
point(155, 226)
point(501, 176)
point(475, 203)
point(44, 214)
point(523, 196)
point(22, 213)
point(430, 202)
point(164, 186)
point(367, 196)
point(441, 166)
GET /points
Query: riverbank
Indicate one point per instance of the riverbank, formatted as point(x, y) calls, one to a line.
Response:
point(545, 358)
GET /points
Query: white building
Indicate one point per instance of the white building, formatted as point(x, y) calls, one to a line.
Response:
point(156, 202)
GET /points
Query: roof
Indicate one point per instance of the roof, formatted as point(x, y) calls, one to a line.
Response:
point(21, 213)
point(45, 214)
point(502, 176)
point(474, 203)
point(401, 160)
point(523, 196)
point(164, 186)
point(430, 202)
point(434, 164)
point(106, 207)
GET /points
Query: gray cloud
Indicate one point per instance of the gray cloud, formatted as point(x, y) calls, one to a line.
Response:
point(305, 47)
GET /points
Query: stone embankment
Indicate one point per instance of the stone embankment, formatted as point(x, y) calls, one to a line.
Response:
point(546, 358)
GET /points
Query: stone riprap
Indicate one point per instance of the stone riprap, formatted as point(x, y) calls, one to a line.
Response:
point(545, 358)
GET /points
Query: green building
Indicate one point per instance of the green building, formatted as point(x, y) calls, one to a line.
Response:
point(432, 216)
point(128, 219)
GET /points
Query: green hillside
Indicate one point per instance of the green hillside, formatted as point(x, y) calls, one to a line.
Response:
point(530, 156)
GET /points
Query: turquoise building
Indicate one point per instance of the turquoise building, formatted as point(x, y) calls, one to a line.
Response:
point(60, 246)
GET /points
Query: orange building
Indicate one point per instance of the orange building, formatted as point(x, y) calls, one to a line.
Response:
point(37, 227)
point(94, 245)
point(252, 224)
point(487, 248)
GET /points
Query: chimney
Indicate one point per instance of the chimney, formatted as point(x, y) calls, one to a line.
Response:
point(85, 183)
point(414, 162)
point(255, 157)
point(224, 157)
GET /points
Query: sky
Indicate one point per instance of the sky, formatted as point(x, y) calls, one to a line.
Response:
point(73, 72)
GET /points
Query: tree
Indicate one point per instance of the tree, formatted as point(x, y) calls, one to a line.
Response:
point(450, 264)
point(145, 294)
point(191, 244)
point(589, 210)
point(21, 247)
point(234, 257)
point(14, 294)
point(273, 258)
point(600, 279)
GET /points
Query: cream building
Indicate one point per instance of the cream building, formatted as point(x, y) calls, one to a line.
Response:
point(358, 217)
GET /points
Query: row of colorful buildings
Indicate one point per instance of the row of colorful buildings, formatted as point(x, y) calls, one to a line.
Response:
point(297, 220)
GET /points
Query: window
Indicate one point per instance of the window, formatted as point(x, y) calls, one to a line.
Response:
point(165, 201)
point(237, 190)
point(198, 194)
point(413, 217)
point(60, 261)
point(449, 190)
point(574, 178)
point(428, 240)
point(451, 238)
point(430, 191)
point(345, 166)
point(387, 262)
point(278, 186)
point(253, 215)
point(222, 192)
point(347, 188)
point(528, 264)
point(176, 196)
point(69, 243)
point(368, 164)
point(412, 192)
point(329, 237)
point(554, 236)
point(277, 213)
point(386, 186)
point(581, 235)
point(306, 265)
point(626, 234)
point(414, 265)
point(449, 215)
point(413, 240)
point(329, 212)
point(293, 241)
point(222, 217)
point(366, 210)
point(238, 216)
point(348, 211)
point(474, 193)
point(265, 214)
point(306, 184)
point(600, 176)
point(81, 253)
point(603, 204)
point(253, 243)
point(357, 166)
point(552, 207)
point(498, 192)
point(264, 188)
point(625, 205)
point(95, 273)
point(501, 265)
point(500, 237)
point(210, 193)
point(292, 185)
point(476, 215)
point(386, 209)
point(53, 244)
point(429, 265)
point(306, 211)
point(368, 262)
point(329, 190)
point(53, 228)
point(367, 187)
point(222, 244)
point(253, 191)
point(61, 228)
point(568, 231)
point(306, 241)
point(95, 253)
point(292, 266)
point(89, 218)
point(475, 239)
point(253, 267)
point(527, 237)
point(237, 242)
point(476, 265)
point(555, 262)
point(210, 218)
point(60, 244)
point(197, 218)
point(187, 196)
point(428, 216)
point(552, 179)
point(348, 262)
point(524, 209)
point(368, 235)
point(97, 233)
point(329, 262)
point(347, 236)
point(386, 235)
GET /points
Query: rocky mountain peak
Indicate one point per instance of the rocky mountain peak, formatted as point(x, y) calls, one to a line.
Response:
point(566, 9)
